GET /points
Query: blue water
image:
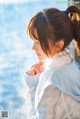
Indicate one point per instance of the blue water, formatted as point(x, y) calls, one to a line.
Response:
point(16, 54)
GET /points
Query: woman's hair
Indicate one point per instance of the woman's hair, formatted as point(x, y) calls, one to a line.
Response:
point(52, 25)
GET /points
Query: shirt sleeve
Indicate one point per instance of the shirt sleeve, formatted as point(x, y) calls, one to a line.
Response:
point(46, 107)
point(31, 81)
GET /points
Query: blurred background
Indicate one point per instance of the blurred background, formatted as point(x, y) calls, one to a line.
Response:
point(16, 54)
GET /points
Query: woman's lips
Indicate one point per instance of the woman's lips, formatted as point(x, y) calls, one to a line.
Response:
point(39, 54)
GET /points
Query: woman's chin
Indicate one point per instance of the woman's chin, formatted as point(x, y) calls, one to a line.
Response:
point(40, 58)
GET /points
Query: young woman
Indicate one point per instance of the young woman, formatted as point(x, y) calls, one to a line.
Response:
point(54, 83)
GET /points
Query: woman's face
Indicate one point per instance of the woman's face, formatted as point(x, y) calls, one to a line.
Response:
point(38, 50)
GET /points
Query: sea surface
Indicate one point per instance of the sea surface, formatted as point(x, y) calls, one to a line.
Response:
point(16, 55)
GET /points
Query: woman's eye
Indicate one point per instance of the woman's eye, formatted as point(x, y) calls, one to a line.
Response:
point(37, 42)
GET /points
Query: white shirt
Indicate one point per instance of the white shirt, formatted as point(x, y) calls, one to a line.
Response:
point(48, 102)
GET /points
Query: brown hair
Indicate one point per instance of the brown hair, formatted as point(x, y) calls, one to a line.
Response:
point(53, 25)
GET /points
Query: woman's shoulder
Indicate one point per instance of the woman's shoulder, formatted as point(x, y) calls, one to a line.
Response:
point(69, 68)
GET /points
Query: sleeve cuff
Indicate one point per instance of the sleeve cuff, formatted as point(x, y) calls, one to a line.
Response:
point(31, 81)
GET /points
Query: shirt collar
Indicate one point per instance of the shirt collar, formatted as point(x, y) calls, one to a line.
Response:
point(57, 61)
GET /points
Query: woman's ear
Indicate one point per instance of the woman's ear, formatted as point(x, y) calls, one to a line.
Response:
point(60, 44)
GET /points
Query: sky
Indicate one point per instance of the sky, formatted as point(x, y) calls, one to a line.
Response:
point(14, 1)
point(20, 1)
